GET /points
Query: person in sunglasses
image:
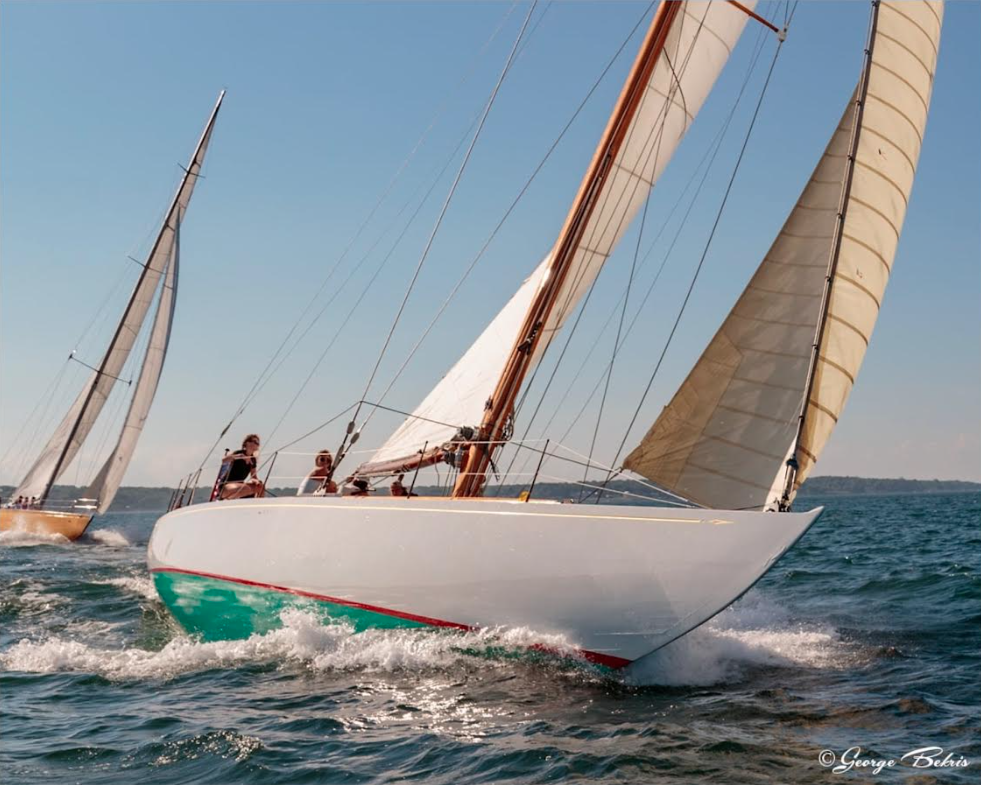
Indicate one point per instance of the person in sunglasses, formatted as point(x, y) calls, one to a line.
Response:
point(241, 480)
point(317, 480)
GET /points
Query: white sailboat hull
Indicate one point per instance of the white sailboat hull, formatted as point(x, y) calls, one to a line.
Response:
point(616, 582)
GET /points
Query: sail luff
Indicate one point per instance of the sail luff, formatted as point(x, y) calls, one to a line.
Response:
point(492, 427)
point(71, 433)
point(107, 481)
point(793, 462)
point(696, 48)
point(725, 437)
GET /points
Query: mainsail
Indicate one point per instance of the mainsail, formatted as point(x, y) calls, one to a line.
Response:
point(71, 433)
point(724, 439)
point(107, 481)
point(697, 45)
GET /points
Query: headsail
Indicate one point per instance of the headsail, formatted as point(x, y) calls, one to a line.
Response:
point(458, 400)
point(725, 437)
point(71, 433)
point(696, 47)
point(107, 481)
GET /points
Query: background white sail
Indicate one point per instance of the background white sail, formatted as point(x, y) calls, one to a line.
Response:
point(71, 433)
point(724, 438)
point(107, 481)
point(698, 45)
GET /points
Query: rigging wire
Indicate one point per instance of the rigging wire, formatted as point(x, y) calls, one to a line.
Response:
point(704, 254)
point(708, 161)
point(509, 210)
point(365, 257)
point(675, 88)
point(656, 139)
point(439, 220)
point(266, 373)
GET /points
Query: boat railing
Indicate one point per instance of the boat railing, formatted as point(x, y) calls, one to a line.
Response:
point(286, 470)
point(58, 505)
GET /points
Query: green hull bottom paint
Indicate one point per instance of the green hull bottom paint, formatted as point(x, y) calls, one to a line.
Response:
point(217, 610)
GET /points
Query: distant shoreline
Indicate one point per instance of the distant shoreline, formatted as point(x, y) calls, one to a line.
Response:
point(156, 499)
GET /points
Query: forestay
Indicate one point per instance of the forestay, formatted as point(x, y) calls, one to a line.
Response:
point(698, 46)
point(71, 433)
point(725, 437)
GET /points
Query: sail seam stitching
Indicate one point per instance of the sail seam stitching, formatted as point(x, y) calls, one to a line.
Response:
point(885, 177)
point(751, 414)
point(771, 321)
point(850, 326)
point(824, 358)
point(906, 82)
point(877, 211)
point(912, 54)
point(823, 409)
point(878, 255)
point(892, 143)
point(914, 23)
point(898, 111)
point(775, 291)
point(728, 476)
point(744, 447)
point(761, 383)
point(860, 287)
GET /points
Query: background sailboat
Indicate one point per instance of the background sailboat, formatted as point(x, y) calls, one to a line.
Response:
point(157, 283)
point(616, 582)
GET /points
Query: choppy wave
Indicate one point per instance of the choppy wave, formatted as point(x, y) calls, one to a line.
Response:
point(110, 537)
point(22, 539)
point(752, 633)
point(303, 640)
point(134, 584)
point(758, 634)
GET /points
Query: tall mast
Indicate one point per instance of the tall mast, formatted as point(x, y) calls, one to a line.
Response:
point(500, 405)
point(171, 214)
point(793, 464)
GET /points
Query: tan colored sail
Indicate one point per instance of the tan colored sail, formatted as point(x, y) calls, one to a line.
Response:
point(696, 48)
point(724, 438)
point(900, 82)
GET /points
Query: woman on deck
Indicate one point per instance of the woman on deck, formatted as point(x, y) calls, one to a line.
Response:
point(316, 479)
point(242, 482)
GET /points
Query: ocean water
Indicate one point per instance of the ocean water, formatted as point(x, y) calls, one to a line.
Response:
point(867, 635)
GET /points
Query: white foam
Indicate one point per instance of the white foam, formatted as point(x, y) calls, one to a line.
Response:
point(303, 640)
point(135, 585)
point(110, 537)
point(22, 539)
point(752, 633)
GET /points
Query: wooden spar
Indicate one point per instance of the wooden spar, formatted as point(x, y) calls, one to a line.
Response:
point(414, 462)
point(501, 404)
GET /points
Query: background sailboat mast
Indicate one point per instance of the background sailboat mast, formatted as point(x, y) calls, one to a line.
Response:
point(192, 171)
point(501, 404)
point(846, 186)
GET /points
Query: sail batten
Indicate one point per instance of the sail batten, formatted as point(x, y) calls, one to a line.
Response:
point(792, 280)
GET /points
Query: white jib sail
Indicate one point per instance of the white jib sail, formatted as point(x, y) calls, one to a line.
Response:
point(698, 45)
point(724, 438)
point(71, 433)
point(109, 478)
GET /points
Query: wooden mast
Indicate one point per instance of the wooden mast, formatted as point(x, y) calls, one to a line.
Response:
point(500, 406)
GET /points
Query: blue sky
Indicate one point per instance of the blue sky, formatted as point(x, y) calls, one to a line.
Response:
point(102, 101)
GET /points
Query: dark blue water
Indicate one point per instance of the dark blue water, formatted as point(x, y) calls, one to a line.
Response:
point(868, 634)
